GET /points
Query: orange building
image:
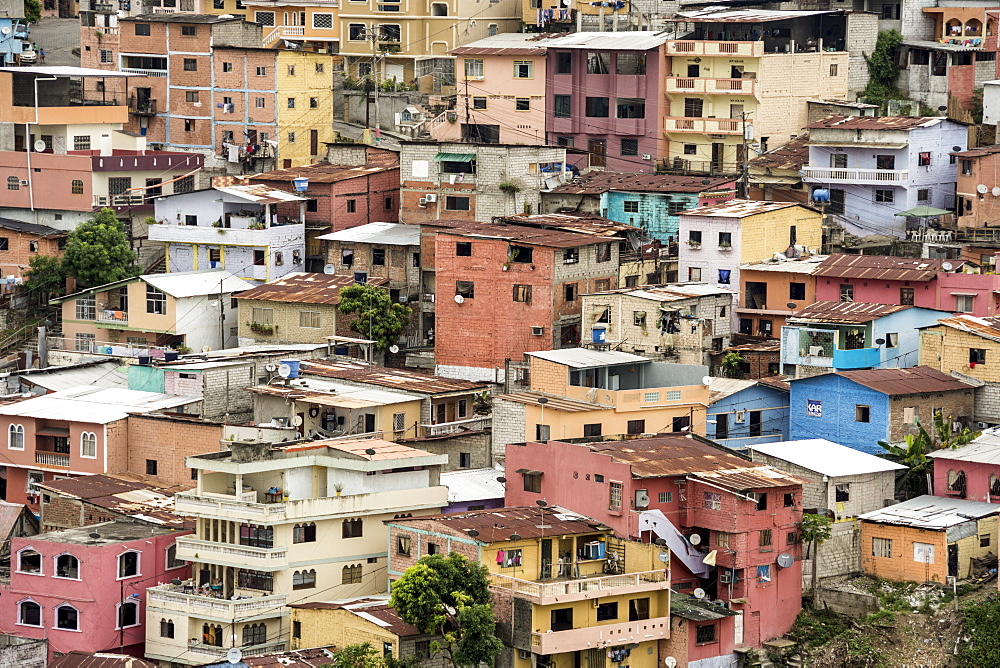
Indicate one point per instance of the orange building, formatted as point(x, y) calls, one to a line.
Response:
point(772, 290)
point(19, 242)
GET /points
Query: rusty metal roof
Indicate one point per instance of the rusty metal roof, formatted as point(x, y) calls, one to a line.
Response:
point(304, 288)
point(879, 267)
point(384, 450)
point(669, 455)
point(557, 230)
point(845, 312)
point(77, 659)
point(749, 478)
point(375, 609)
point(977, 152)
point(792, 155)
point(741, 208)
point(595, 183)
point(497, 524)
point(905, 123)
point(125, 494)
point(554, 402)
point(324, 172)
point(770, 345)
point(915, 380)
point(401, 379)
point(988, 328)
point(10, 513)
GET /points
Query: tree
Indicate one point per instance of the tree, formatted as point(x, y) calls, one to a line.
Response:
point(98, 252)
point(914, 455)
point(814, 531)
point(366, 656)
point(449, 597)
point(882, 69)
point(731, 362)
point(378, 317)
point(32, 11)
point(45, 278)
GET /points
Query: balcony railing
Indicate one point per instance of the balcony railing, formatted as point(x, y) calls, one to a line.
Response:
point(858, 176)
point(600, 635)
point(569, 590)
point(158, 74)
point(720, 126)
point(120, 317)
point(119, 200)
point(251, 650)
point(860, 358)
point(175, 598)
point(714, 48)
point(711, 86)
point(144, 107)
point(280, 32)
point(259, 558)
point(443, 428)
point(51, 459)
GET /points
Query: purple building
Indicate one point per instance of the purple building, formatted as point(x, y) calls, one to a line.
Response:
point(473, 489)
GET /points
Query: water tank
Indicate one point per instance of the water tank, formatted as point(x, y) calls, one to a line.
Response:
point(598, 333)
point(289, 368)
point(821, 195)
point(301, 184)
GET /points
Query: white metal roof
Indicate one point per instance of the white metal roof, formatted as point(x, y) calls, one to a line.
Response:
point(639, 40)
point(96, 375)
point(196, 283)
point(95, 405)
point(806, 265)
point(260, 193)
point(983, 450)
point(473, 484)
point(724, 387)
point(365, 394)
point(931, 512)
point(388, 234)
point(680, 291)
point(66, 71)
point(738, 208)
point(580, 358)
point(826, 457)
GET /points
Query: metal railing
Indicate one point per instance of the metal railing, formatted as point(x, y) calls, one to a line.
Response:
point(578, 586)
point(471, 424)
point(141, 107)
point(847, 174)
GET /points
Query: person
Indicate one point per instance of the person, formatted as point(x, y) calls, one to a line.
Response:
point(42, 54)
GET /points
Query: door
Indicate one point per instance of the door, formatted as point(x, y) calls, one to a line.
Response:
point(736, 111)
point(736, 72)
point(441, 411)
point(755, 425)
point(694, 70)
point(369, 423)
point(302, 423)
point(314, 142)
point(598, 152)
point(718, 156)
point(546, 558)
point(953, 560)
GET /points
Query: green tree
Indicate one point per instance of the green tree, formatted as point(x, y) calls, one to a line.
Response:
point(731, 362)
point(814, 531)
point(913, 454)
point(98, 252)
point(882, 69)
point(45, 278)
point(366, 656)
point(32, 11)
point(449, 597)
point(378, 317)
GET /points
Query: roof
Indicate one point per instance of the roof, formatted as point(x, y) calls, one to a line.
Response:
point(504, 44)
point(987, 328)
point(849, 312)
point(933, 513)
point(384, 450)
point(746, 479)
point(553, 402)
point(10, 513)
point(697, 610)
point(196, 283)
point(374, 609)
point(30, 228)
point(66, 71)
point(473, 484)
point(106, 373)
point(791, 155)
point(670, 455)
point(389, 234)
point(124, 494)
point(915, 380)
point(725, 387)
point(978, 152)
point(399, 379)
point(904, 123)
point(183, 18)
point(802, 265)
point(768, 345)
point(94, 405)
point(303, 288)
point(77, 659)
point(740, 208)
point(495, 525)
point(985, 449)
point(880, 267)
point(582, 358)
point(108, 533)
point(595, 183)
point(325, 172)
point(555, 230)
point(747, 15)
point(938, 46)
point(673, 292)
point(326, 393)
point(641, 40)
point(314, 657)
point(826, 457)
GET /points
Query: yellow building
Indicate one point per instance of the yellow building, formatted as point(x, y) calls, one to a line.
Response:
point(577, 392)
point(954, 344)
point(579, 597)
point(311, 23)
point(304, 106)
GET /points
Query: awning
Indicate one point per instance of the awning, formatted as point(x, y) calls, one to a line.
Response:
point(52, 431)
point(528, 472)
point(454, 157)
point(923, 212)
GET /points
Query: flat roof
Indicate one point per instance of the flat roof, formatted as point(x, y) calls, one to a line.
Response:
point(183, 18)
point(196, 283)
point(933, 513)
point(388, 234)
point(109, 533)
point(635, 40)
point(826, 457)
point(582, 358)
point(805, 265)
point(473, 484)
point(94, 405)
point(505, 44)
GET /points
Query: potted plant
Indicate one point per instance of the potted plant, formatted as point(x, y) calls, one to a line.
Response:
point(725, 246)
point(339, 487)
point(509, 187)
point(694, 244)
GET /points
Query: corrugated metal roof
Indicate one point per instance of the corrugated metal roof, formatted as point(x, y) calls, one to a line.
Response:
point(77, 659)
point(384, 450)
point(741, 208)
point(771, 345)
point(94, 405)
point(473, 484)
point(374, 609)
point(67, 71)
point(336, 394)
point(933, 513)
point(748, 15)
point(669, 455)
point(107, 374)
point(672, 292)
point(505, 44)
point(580, 358)
point(983, 450)
point(595, 183)
point(826, 457)
point(196, 283)
point(938, 46)
point(977, 152)
point(724, 387)
point(749, 478)
point(303, 288)
point(914, 380)
point(400, 379)
point(10, 513)
point(639, 40)
point(554, 402)
point(988, 328)
point(904, 123)
point(791, 156)
point(805, 265)
point(697, 610)
point(325, 172)
point(496, 525)
point(880, 267)
point(845, 312)
point(555, 230)
point(139, 498)
point(314, 657)
point(30, 228)
point(389, 234)
point(260, 194)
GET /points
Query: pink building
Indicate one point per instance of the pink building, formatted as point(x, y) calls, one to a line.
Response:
point(84, 588)
point(971, 471)
point(675, 487)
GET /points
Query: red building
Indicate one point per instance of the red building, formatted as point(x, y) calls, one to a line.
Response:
point(971, 471)
point(730, 524)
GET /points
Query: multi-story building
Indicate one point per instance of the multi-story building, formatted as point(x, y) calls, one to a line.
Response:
point(681, 322)
point(22, 241)
point(774, 176)
point(877, 167)
point(771, 290)
point(314, 25)
point(279, 526)
point(974, 188)
point(388, 252)
point(746, 412)
point(14, 28)
point(969, 471)
point(970, 345)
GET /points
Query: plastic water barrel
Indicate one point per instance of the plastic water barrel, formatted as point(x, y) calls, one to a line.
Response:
point(293, 368)
point(301, 184)
point(821, 195)
point(598, 333)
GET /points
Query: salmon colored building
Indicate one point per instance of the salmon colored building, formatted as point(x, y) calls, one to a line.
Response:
point(772, 290)
point(19, 242)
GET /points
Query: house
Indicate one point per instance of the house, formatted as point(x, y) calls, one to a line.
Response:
point(970, 345)
point(715, 241)
point(296, 308)
point(975, 168)
point(235, 228)
point(861, 408)
point(759, 359)
point(821, 108)
point(690, 636)
point(746, 413)
point(52, 588)
point(22, 241)
point(561, 584)
point(928, 539)
point(970, 471)
point(841, 481)
point(577, 392)
point(875, 167)
point(169, 310)
point(295, 524)
point(79, 431)
point(774, 175)
point(852, 335)
point(514, 285)
point(674, 487)
point(456, 180)
point(881, 279)
point(651, 202)
point(16, 521)
point(219, 384)
point(317, 29)
point(388, 251)
point(680, 322)
point(557, 18)
point(772, 290)
point(473, 489)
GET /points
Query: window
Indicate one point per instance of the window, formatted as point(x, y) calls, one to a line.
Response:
point(247, 579)
point(309, 319)
point(522, 104)
point(882, 547)
point(524, 69)
point(796, 291)
point(630, 146)
point(629, 107)
point(256, 535)
point(463, 249)
point(323, 21)
point(564, 63)
point(603, 252)
point(319, 68)
point(172, 560)
point(562, 106)
point(977, 356)
point(259, 258)
point(81, 143)
point(15, 435)
point(569, 292)
point(473, 68)
point(636, 427)
point(522, 293)
point(862, 413)
point(13, 183)
point(597, 107)
point(884, 196)
point(843, 492)
point(189, 125)
point(191, 96)
point(764, 538)
point(29, 613)
point(128, 614)
point(479, 103)
point(29, 561)
point(128, 564)
point(351, 574)
point(963, 303)
point(297, 629)
point(761, 500)
point(142, 29)
point(631, 63)
point(606, 611)
point(833, 69)
point(906, 296)
point(924, 159)
point(262, 316)
point(594, 429)
point(166, 628)
point(353, 528)
point(67, 566)
point(290, 102)
point(156, 301)
point(254, 634)
point(713, 501)
point(452, 203)
point(764, 573)
point(722, 539)
point(984, 540)
point(261, 71)
point(84, 341)
point(846, 292)
point(665, 497)
point(705, 633)
point(693, 107)
point(306, 579)
point(838, 160)
point(598, 63)
point(565, 141)
point(190, 65)
point(467, 289)
point(403, 545)
point(184, 185)
point(378, 257)
point(511, 559)
point(465, 460)
point(107, 56)
point(533, 482)
point(885, 162)
point(151, 467)
point(264, 18)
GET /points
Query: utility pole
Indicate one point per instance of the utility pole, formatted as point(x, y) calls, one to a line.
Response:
point(743, 188)
point(222, 317)
point(374, 34)
point(467, 104)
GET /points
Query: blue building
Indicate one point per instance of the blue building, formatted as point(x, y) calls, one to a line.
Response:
point(13, 34)
point(742, 413)
point(845, 335)
point(860, 408)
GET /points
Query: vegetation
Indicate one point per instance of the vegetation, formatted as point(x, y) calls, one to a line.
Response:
point(449, 597)
point(815, 530)
point(366, 656)
point(976, 106)
point(914, 454)
point(731, 362)
point(32, 11)
point(46, 278)
point(98, 252)
point(982, 619)
point(378, 317)
point(882, 69)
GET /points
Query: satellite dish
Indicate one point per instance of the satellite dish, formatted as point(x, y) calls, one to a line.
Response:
point(95, 535)
point(5, 30)
point(785, 560)
point(271, 367)
point(234, 655)
point(879, 341)
point(699, 593)
point(206, 349)
point(996, 191)
point(120, 13)
point(369, 451)
point(707, 380)
point(39, 145)
point(694, 539)
point(663, 556)
point(329, 269)
point(284, 370)
point(404, 298)
point(948, 266)
point(956, 148)
point(790, 305)
point(459, 299)
point(670, 662)
point(393, 349)
point(982, 189)
point(297, 420)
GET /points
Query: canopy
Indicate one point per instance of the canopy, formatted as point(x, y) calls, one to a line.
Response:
point(454, 157)
point(923, 212)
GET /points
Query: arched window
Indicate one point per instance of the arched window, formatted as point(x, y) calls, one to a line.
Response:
point(172, 560)
point(67, 566)
point(351, 574)
point(15, 437)
point(128, 564)
point(77, 186)
point(304, 533)
point(128, 614)
point(353, 528)
point(29, 613)
point(67, 618)
point(29, 561)
point(994, 485)
point(211, 634)
point(973, 28)
point(254, 634)
point(166, 628)
point(956, 482)
point(13, 183)
point(88, 444)
point(304, 579)
point(953, 28)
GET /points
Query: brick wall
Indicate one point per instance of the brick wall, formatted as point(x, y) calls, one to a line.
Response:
point(900, 566)
point(62, 512)
point(167, 441)
point(397, 266)
point(508, 425)
point(420, 532)
point(286, 321)
point(955, 404)
point(477, 445)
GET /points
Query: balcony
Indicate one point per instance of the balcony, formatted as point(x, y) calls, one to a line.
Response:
point(861, 358)
point(711, 86)
point(116, 317)
point(602, 635)
point(548, 593)
point(144, 107)
point(203, 650)
point(239, 556)
point(713, 48)
point(284, 32)
point(51, 459)
point(854, 176)
point(444, 428)
point(183, 600)
point(119, 200)
point(230, 236)
point(156, 74)
point(705, 126)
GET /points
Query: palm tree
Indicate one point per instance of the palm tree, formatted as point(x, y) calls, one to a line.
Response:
point(916, 480)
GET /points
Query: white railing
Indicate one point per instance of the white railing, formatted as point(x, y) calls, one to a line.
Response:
point(168, 597)
point(542, 590)
point(284, 31)
point(713, 48)
point(187, 544)
point(201, 504)
point(112, 316)
point(472, 424)
point(707, 85)
point(723, 126)
point(159, 74)
point(51, 459)
point(860, 176)
point(164, 10)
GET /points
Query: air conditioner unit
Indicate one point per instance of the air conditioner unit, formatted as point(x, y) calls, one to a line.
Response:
point(726, 577)
point(647, 156)
point(537, 331)
point(741, 416)
point(430, 197)
point(983, 425)
point(641, 498)
point(24, 182)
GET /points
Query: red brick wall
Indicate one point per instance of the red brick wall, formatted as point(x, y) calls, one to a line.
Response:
point(412, 212)
point(168, 442)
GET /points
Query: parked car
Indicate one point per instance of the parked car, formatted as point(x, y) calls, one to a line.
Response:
point(28, 57)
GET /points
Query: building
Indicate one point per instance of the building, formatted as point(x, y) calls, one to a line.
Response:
point(975, 168)
point(760, 359)
point(876, 167)
point(927, 539)
point(279, 526)
point(771, 291)
point(373, 252)
point(746, 413)
point(681, 322)
point(861, 408)
point(218, 383)
point(715, 241)
point(852, 335)
point(821, 108)
point(248, 238)
point(969, 345)
point(22, 241)
point(473, 489)
point(462, 181)
point(538, 616)
point(79, 431)
point(78, 659)
point(893, 280)
point(774, 176)
point(841, 483)
point(174, 316)
point(16, 521)
point(969, 471)
point(24, 652)
point(674, 487)
point(579, 392)
point(296, 308)
point(513, 286)
point(313, 27)
point(651, 202)
point(52, 585)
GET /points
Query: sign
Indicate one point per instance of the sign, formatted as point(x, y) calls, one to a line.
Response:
point(814, 408)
